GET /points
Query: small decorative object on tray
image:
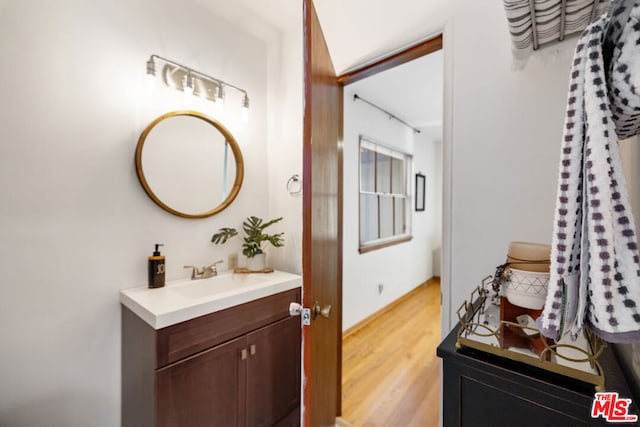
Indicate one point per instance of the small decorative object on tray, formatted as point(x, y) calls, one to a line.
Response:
point(500, 319)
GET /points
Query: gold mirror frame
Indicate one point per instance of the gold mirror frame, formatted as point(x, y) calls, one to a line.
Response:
point(235, 148)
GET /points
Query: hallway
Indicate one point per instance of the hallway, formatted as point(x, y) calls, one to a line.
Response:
point(390, 373)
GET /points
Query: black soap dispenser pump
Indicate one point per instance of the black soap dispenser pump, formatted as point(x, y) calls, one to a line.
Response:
point(156, 268)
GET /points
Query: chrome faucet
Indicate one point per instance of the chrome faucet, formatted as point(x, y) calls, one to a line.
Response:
point(208, 271)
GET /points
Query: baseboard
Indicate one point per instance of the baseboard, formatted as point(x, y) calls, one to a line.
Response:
point(340, 422)
point(384, 310)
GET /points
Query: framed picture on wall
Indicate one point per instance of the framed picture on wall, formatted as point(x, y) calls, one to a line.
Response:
point(420, 184)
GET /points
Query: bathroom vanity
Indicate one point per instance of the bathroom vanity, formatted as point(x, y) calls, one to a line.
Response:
point(216, 352)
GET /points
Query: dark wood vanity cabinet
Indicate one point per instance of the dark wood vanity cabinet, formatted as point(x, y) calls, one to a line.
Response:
point(237, 367)
point(273, 372)
point(203, 388)
point(480, 389)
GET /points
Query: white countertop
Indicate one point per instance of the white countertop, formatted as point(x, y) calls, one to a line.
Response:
point(187, 299)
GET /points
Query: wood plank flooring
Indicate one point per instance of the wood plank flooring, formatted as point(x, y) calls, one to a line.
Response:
point(390, 372)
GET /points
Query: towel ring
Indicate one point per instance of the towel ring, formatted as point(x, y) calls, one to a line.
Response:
point(294, 184)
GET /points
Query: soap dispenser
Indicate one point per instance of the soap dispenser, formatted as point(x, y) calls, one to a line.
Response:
point(156, 268)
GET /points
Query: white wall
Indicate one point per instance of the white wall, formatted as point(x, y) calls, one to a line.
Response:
point(630, 353)
point(502, 133)
point(502, 128)
point(428, 161)
point(630, 151)
point(76, 225)
point(285, 142)
point(506, 128)
point(399, 268)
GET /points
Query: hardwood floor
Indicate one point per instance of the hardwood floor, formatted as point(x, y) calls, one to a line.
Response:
point(390, 373)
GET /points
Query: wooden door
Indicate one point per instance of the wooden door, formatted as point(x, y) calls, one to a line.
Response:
point(322, 236)
point(204, 390)
point(273, 373)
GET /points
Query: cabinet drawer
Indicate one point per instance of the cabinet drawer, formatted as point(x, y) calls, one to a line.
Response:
point(187, 338)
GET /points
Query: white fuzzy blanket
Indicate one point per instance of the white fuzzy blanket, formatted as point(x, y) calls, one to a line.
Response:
point(595, 266)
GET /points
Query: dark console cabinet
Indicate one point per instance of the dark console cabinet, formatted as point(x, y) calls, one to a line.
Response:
point(481, 389)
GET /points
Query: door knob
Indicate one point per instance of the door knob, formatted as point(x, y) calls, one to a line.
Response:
point(322, 311)
point(296, 309)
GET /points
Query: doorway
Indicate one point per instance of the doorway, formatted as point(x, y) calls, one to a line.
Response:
point(398, 103)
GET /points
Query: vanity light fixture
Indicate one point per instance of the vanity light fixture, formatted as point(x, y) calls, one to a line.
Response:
point(244, 112)
point(220, 99)
point(187, 87)
point(220, 94)
point(150, 77)
point(192, 83)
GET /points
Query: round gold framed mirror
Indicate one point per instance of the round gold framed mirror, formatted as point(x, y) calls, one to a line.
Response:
point(189, 164)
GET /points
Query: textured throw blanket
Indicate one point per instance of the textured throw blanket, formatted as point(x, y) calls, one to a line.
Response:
point(595, 269)
point(547, 19)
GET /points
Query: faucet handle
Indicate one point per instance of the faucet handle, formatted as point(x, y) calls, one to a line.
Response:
point(212, 269)
point(194, 271)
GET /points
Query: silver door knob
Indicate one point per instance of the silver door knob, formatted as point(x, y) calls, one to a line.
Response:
point(325, 311)
point(295, 309)
point(322, 311)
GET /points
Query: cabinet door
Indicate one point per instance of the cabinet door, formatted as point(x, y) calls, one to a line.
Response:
point(207, 389)
point(273, 372)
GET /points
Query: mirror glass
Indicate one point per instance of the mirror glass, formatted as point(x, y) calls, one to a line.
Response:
point(189, 164)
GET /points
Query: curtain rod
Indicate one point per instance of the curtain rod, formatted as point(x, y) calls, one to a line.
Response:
point(391, 116)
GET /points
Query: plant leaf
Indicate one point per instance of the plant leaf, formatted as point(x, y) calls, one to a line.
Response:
point(223, 235)
point(255, 236)
point(251, 226)
point(276, 240)
point(273, 221)
point(250, 248)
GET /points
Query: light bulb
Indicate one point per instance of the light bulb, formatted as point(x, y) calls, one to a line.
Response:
point(220, 100)
point(219, 106)
point(150, 83)
point(203, 94)
point(244, 111)
point(220, 92)
point(150, 77)
point(187, 87)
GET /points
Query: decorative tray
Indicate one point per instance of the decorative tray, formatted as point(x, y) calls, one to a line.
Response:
point(242, 270)
point(481, 328)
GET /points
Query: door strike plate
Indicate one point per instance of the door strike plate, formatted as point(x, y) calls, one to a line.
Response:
point(306, 316)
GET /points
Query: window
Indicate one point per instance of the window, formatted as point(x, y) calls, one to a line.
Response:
point(384, 196)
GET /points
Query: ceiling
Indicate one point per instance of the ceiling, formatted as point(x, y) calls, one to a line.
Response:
point(411, 91)
point(359, 32)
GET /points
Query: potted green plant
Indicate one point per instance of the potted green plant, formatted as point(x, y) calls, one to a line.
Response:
point(252, 243)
